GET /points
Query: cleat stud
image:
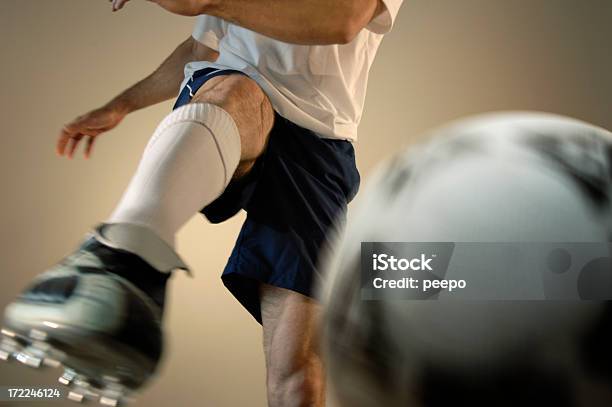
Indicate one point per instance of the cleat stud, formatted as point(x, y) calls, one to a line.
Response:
point(76, 397)
point(4, 355)
point(31, 356)
point(113, 393)
point(68, 377)
point(107, 401)
point(29, 360)
point(8, 333)
point(82, 392)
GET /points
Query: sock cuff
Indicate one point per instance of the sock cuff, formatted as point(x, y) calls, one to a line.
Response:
point(141, 241)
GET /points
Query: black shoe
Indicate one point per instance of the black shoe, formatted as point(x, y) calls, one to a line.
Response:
point(98, 313)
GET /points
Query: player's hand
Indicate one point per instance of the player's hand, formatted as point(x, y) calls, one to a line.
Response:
point(89, 127)
point(182, 7)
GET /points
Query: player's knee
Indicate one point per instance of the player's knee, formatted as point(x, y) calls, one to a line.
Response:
point(246, 87)
point(236, 93)
point(251, 99)
point(243, 99)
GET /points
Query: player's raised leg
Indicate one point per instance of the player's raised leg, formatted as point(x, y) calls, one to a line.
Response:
point(99, 310)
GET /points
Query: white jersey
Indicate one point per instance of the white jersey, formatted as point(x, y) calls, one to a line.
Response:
point(319, 87)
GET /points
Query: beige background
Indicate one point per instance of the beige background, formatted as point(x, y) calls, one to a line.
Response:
point(59, 58)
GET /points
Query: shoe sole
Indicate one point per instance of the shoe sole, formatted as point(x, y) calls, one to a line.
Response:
point(96, 368)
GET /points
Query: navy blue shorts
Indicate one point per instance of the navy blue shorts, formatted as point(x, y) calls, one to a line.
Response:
point(294, 195)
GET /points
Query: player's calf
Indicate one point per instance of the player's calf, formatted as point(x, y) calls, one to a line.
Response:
point(295, 374)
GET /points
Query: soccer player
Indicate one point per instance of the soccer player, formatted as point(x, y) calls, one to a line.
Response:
point(269, 107)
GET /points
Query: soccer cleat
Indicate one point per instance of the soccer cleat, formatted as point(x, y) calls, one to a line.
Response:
point(98, 313)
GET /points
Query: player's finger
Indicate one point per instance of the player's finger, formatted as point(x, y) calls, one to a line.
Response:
point(62, 141)
point(61, 145)
point(74, 143)
point(70, 130)
point(89, 147)
point(118, 4)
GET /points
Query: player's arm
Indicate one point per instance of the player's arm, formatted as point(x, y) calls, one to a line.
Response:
point(300, 21)
point(161, 85)
point(164, 82)
point(294, 21)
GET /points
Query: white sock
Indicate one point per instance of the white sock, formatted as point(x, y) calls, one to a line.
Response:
point(187, 164)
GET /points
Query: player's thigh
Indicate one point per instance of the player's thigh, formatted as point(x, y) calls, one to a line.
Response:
point(290, 330)
point(248, 105)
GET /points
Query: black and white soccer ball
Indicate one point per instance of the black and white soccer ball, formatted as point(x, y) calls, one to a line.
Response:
point(507, 177)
